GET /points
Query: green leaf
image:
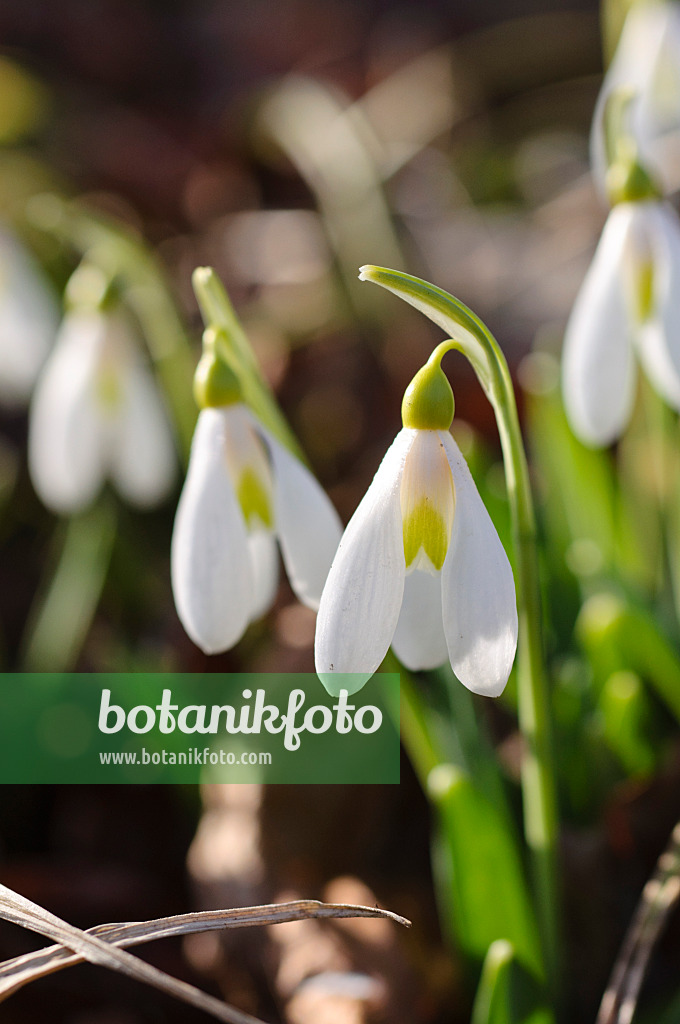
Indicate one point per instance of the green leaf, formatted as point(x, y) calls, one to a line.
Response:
point(618, 636)
point(507, 994)
point(628, 723)
point(476, 855)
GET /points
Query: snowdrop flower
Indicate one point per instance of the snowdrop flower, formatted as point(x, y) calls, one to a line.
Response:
point(244, 491)
point(420, 565)
point(647, 60)
point(28, 321)
point(629, 304)
point(96, 413)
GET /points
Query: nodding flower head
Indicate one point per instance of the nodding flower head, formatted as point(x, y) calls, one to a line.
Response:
point(96, 413)
point(647, 61)
point(629, 304)
point(420, 565)
point(244, 492)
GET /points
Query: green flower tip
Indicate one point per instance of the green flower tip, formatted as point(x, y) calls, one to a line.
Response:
point(627, 181)
point(215, 383)
point(428, 401)
point(88, 286)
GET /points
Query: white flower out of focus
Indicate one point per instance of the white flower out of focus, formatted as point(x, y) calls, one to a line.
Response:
point(244, 491)
point(647, 60)
point(29, 320)
point(420, 566)
point(96, 413)
point(628, 305)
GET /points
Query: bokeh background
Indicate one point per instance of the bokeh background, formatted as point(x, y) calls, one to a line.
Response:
point(285, 144)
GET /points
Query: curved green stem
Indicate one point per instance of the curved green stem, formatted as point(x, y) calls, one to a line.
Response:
point(235, 349)
point(470, 336)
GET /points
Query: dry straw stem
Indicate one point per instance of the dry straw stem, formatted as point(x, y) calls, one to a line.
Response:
point(99, 945)
point(659, 897)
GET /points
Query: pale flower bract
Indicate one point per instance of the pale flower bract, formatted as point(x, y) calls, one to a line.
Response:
point(629, 304)
point(243, 492)
point(96, 413)
point(420, 567)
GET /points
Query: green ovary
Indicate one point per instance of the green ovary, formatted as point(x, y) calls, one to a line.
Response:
point(425, 528)
point(254, 500)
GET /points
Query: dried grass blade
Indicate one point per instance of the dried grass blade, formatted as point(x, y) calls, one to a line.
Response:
point(20, 971)
point(21, 911)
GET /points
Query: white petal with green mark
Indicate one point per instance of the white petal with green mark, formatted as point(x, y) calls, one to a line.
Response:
point(427, 502)
point(249, 468)
point(658, 339)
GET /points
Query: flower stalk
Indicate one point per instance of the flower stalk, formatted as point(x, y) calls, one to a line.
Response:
point(232, 345)
point(471, 337)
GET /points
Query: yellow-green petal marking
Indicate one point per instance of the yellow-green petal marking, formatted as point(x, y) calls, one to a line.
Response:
point(253, 497)
point(425, 528)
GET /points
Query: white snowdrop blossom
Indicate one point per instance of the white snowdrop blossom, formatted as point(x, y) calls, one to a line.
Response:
point(244, 491)
point(96, 413)
point(629, 304)
point(647, 61)
point(420, 567)
point(29, 321)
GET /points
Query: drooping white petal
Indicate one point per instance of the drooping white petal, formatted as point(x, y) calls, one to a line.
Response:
point(478, 590)
point(66, 442)
point(142, 460)
point(29, 320)
point(658, 339)
point(360, 603)
point(308, 527)
point(598, 373)
point(264, 562)
point(210, 560)
point(647, 61)
point(419, 640)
